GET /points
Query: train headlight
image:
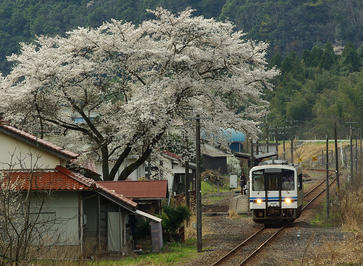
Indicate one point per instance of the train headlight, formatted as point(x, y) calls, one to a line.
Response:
point(258, 201)
point(288, 200)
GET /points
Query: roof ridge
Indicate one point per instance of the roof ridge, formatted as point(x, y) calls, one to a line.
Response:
point(76, 176)
point(117, 195)
point(43, 142)
point(92, 183)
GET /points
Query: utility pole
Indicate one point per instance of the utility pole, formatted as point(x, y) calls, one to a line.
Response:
point(292, 150)
point(277, 144)
point(252, 156)
point(336, 155)
point(187, 182)
point(267, 141)
point(327, 176)
point(198, 185)
point(283, 148)
point(351, 152)
point(351, 148)
point(360, 142)
point(356, 153)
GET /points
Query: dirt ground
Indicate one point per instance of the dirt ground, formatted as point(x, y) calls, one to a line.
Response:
point(303, 243)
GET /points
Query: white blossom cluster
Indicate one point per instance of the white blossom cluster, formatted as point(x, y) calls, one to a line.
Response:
point(130, 83)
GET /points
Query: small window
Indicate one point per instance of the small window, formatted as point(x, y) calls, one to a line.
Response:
point(300, 181)
point(287, 180)
point(258, 181)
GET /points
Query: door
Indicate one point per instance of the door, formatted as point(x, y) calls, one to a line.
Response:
point(115, 232)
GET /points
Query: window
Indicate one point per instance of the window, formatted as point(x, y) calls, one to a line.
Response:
point(273, 178)
point(287, 180)
point(258, 181)
point(273, 181)
point(300, 182)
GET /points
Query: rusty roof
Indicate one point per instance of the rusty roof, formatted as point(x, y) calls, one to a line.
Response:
point(151, 189)
point(36, 142)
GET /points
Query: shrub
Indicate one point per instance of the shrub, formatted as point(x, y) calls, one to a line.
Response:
point(173, 219)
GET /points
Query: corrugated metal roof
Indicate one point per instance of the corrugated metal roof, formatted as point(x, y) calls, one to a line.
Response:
point(153, 189)
point(33, 140)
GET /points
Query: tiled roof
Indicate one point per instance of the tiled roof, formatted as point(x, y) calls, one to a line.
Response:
point(138, 189)
point(172, 155)
point(7, 129)
point(116, 195)
point(45, 180)
point(60, 179)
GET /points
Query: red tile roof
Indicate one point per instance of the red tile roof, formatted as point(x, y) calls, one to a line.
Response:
point(59, 179)
point(172, 155)
point(138, 189)
point(36, 141)
point(116, 195)
point(44, 180)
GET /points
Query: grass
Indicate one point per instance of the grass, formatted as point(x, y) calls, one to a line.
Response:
point(320, 218)
point(212, 199)
point(172, 254)
point(347, 213)
point(210, 188)
point(305, 153)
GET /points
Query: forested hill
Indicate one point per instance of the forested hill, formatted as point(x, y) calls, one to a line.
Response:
point(290, 25)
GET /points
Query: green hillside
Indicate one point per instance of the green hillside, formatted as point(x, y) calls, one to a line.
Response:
point(316, 86)
point(290, 25)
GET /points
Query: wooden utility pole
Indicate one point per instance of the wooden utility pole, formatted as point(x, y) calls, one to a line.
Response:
point(327, 177)
point(351, 149)
point(252, 156)
point(277, 145)
point(187, 182)
point(336, 155)
point(267, 141)
point(356, 153)
point(284, 150)
point(292, 150)
point(351, 152)
point(360, 142)
point(198, 188)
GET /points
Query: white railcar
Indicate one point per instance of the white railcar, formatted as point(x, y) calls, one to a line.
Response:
point(276, 192)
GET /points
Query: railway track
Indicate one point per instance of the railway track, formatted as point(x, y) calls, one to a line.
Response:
point(258, 240)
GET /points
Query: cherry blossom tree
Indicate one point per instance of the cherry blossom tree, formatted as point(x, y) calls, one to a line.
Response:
point(129, 84)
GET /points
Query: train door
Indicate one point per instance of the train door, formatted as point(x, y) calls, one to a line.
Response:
point(273, 191)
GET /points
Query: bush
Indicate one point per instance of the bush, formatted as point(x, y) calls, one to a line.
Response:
point(173, 219)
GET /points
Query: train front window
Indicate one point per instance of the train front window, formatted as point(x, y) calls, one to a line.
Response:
point(288, 180)
point(273, 181)
point(258, 181)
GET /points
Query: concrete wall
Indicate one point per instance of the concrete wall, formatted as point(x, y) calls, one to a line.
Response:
point(24, 153)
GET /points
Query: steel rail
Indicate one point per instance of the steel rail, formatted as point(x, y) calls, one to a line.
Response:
point(282, 228)
point(307, 204)
point(312, 190)
point(262, 245)
point(237, 247)
point(226, 256)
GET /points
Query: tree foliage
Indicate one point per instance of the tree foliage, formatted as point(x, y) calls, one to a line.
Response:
point(128, 84)
point(289, 25)
point(318, 89)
